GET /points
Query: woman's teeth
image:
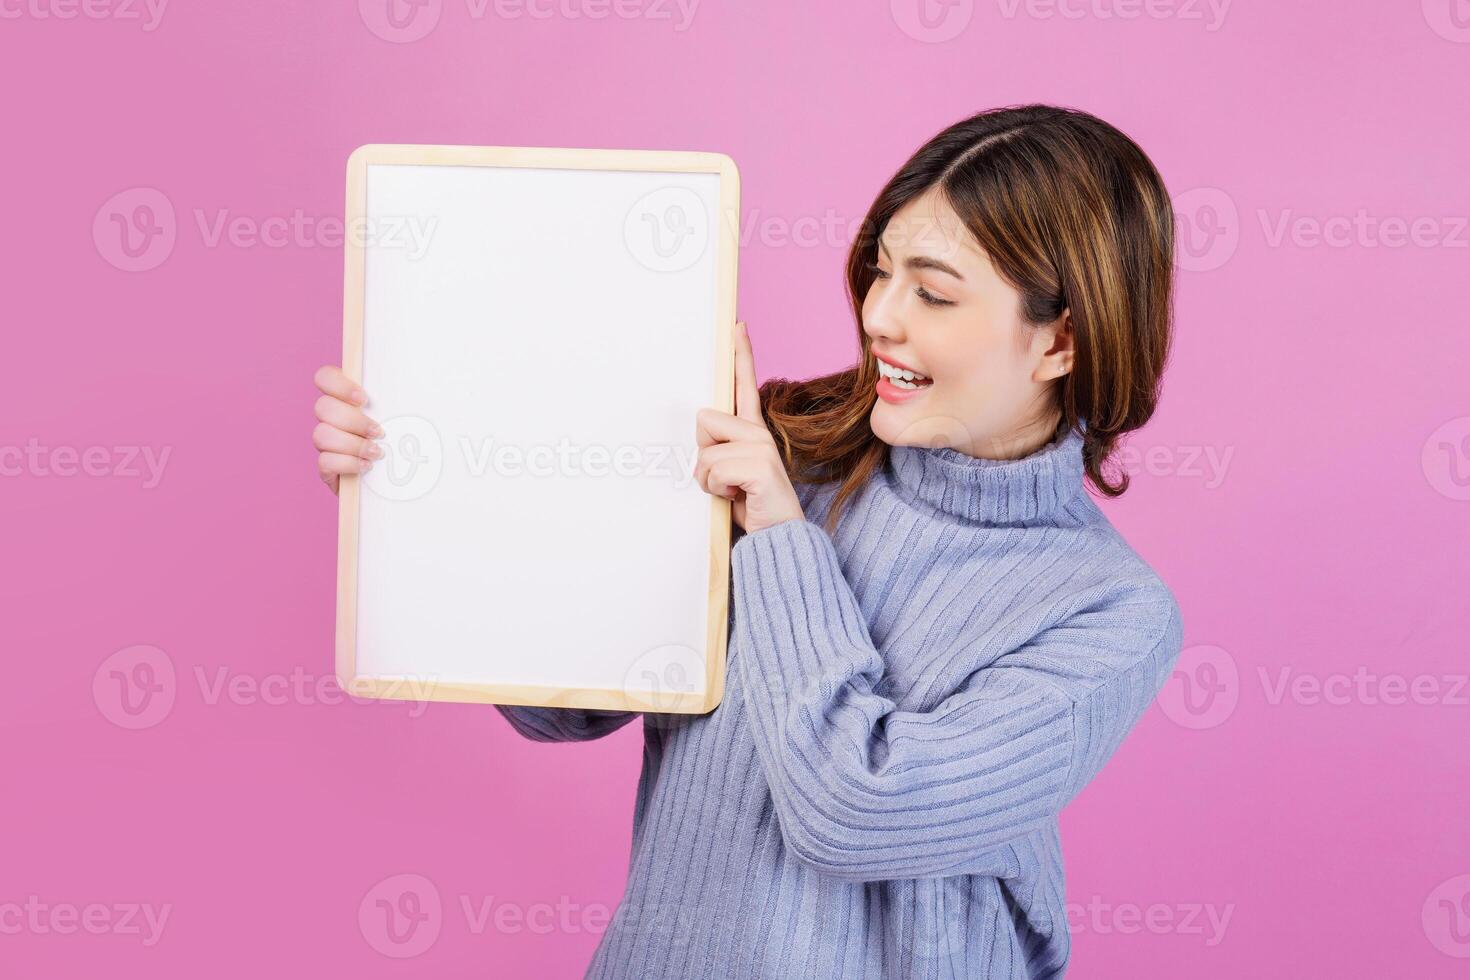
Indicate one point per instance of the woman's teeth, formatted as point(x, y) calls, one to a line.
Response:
point(900, 378)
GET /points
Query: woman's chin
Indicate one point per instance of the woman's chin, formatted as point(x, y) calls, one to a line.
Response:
point(910, 425)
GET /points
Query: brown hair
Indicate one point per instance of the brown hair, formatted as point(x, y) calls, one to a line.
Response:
point(1072, 214)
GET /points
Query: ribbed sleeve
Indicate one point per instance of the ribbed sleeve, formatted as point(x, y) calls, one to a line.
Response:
point(564, 724)
point(866, 792)
point(909, 703)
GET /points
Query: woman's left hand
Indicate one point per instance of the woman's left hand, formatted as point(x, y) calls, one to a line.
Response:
point(738, 458)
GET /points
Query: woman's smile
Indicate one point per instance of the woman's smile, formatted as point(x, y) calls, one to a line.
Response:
point(897, 382)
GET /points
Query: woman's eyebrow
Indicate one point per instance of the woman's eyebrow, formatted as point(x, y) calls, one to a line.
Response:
point(924, 262)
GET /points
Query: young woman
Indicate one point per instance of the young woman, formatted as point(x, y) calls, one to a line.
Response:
point(937, 637)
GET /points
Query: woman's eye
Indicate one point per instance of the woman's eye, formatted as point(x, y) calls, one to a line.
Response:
point(923, 294)
point(931, 299)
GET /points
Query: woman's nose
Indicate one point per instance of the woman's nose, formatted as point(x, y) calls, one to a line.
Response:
point(879, 316)
point(880, 320)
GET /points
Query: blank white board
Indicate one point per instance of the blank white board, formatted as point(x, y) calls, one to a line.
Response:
point(536, 328)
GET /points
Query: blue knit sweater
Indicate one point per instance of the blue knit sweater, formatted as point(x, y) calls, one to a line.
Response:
point(910, 703)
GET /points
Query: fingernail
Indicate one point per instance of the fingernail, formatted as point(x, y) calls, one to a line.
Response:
point(373, 451)
point(359, 396)
point(376, 431)
point(363, 465)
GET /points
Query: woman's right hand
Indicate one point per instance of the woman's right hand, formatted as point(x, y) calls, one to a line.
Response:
point(344, 434)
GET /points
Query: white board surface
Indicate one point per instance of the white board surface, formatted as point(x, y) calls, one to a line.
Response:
point(536, 341)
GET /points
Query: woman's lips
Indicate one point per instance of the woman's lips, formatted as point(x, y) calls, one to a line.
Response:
point(894, 395)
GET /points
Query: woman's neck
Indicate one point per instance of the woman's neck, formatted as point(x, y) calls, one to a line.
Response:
point(1019, 442)
point(1030, 489)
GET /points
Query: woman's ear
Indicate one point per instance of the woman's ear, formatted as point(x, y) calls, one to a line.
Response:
point(1061, 350)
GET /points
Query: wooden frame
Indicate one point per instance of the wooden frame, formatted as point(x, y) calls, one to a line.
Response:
point(726, 240)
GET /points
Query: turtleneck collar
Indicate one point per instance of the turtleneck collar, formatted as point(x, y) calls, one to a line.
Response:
point(990, 491)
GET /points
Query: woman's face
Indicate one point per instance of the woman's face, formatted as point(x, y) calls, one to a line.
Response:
point(939, 308)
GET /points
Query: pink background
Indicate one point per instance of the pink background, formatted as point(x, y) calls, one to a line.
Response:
point(1242, 831)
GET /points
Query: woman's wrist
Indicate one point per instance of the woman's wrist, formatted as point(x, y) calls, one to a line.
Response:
point(774, 524)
